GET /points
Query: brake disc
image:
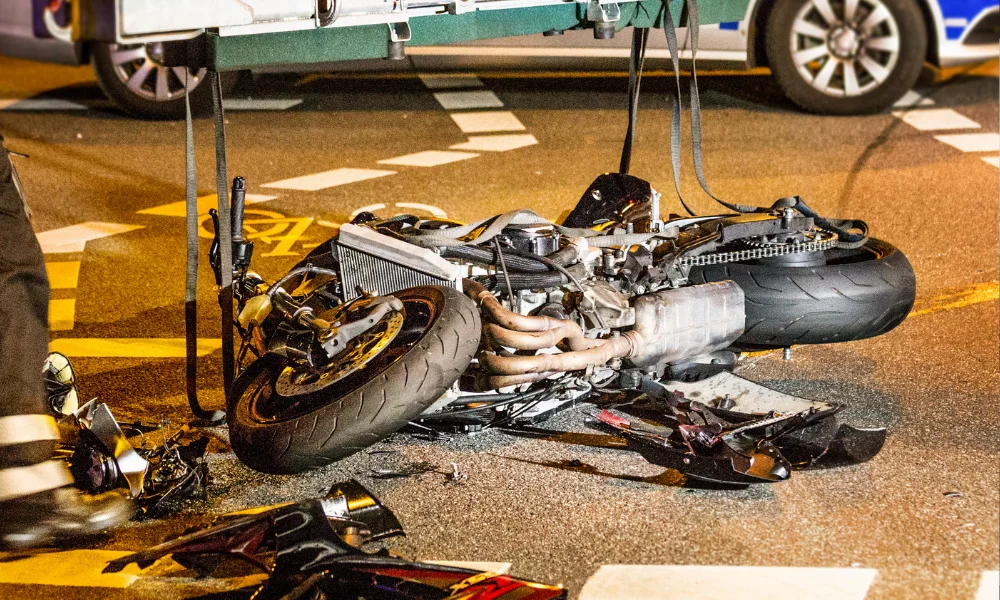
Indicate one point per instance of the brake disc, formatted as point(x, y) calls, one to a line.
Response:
point(297, 380)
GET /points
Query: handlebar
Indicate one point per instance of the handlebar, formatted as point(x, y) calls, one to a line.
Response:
point(236, 208)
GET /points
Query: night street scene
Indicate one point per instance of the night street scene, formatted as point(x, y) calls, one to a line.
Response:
point(500, 299)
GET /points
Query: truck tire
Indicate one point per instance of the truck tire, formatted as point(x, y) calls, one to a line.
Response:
point(439, 338)
point(857, 294)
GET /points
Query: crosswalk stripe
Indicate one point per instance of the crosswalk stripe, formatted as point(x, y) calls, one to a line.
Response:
point(62, 314)
point(74, 568)
point(179, 209)
point(683, 582)
point(465, 100)
point(428, 158)
point(130, 347)
point(260, 103)
point(39, 104)
point(989, 586)
point(497, 143)
point(443, 81)
point(972, 142)
point(992, 160)
point(63, 275)
point(933, 119)
point(75, 237)
point(480, 122)
point(911, 98)
point(327, 179)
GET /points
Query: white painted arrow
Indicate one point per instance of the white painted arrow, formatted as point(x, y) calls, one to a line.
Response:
point(75, 237)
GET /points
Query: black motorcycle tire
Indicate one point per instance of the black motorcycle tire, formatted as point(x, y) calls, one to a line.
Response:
point(858, 294)
point(384, 401)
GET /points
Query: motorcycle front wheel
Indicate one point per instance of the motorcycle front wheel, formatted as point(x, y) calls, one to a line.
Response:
point(850, 295)
point(282, 421)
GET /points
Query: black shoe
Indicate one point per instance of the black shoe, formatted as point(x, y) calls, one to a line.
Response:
point(43, 518)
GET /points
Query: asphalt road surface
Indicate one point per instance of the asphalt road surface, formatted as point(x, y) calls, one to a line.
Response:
point(919, 521)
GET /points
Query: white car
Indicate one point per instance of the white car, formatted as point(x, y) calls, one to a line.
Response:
point(829, 56)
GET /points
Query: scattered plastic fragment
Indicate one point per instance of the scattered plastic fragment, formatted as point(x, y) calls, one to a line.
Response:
point(761, 435)
point(411, 470)
point(103, 459)
point(314, 549)
point(457, 476)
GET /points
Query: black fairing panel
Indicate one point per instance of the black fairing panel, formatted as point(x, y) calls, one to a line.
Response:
point(612, 197)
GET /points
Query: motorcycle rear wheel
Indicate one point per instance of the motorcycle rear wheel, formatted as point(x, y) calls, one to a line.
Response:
point(857, 294)
point(275, 433)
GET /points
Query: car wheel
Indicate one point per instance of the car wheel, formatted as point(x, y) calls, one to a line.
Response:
point(846, 56)
point(135, 79)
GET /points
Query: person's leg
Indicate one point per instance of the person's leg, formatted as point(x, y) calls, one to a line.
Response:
point(35, 504)
point(27, 431)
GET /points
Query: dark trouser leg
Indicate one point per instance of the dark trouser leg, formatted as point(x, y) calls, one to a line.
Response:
point(26, 431)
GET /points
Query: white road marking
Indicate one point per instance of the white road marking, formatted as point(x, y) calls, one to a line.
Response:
point(428, 158)
point(911, 99)
point(260, 103)
point(437, 212)
point(479, 122)
point(500, 568)
point(466, 100)
point(497, 143)
point(972, 142)
point(669, 582)
point(989, 586)
point(327, 179)
point(992, 160)
point(39, 104)
point(75, 237)
point(935, 119)
point(130, 347)
point(179, 209)
point(369, 208)
point(71, 568)
point(445, 81)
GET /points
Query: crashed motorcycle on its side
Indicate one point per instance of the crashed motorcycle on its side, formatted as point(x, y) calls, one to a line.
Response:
point(502, 322)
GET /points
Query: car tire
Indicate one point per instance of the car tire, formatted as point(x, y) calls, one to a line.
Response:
point(143, 88)
point(813, 57)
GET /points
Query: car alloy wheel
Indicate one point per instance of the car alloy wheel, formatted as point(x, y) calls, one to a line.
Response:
point(140, 68)
point(845, 49)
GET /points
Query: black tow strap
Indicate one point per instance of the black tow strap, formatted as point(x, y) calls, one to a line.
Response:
point(636, 59)
point(206, 417)
point(841, 227)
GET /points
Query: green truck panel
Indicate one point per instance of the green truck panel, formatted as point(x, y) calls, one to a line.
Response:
point(371, 41)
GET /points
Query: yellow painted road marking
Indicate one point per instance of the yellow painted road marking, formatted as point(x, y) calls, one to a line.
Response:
point(959, 298)
point(76, 568)
point(63, 275)
point(179, 209)
point(62, 314)
point(130, 347)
